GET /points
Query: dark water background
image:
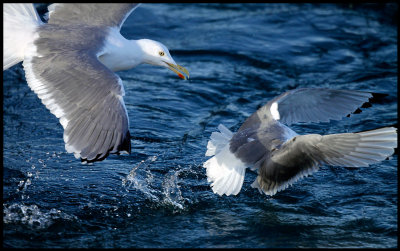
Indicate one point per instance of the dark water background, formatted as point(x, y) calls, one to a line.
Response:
point(239, 57)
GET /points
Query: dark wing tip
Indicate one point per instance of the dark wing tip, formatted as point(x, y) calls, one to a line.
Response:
point(377, 98)
point(125, 146)
point(97, 158)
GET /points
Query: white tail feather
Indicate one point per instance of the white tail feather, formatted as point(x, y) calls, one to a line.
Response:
point(218, 140)
point(19, 25)
point(224, 170)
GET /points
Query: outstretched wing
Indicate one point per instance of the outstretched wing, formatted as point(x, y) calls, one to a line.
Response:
point(302, 155)
point(101, 14)
point(309, 105)
point(79, 90)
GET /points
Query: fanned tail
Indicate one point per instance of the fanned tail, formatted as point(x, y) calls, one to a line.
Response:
point(218, 140)
point(224, 170)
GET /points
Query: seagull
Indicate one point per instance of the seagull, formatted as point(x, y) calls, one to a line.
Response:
point(265, 144)
point(69, 63)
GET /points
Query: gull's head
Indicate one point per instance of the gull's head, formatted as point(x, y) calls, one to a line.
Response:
point(156, 53)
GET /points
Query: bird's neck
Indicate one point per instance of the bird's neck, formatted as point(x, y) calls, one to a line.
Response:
point(119, 53)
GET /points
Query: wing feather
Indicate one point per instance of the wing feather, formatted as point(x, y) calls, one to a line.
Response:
point(303, 154)
point(309, 105)
point(104, 14)
point(83, 93)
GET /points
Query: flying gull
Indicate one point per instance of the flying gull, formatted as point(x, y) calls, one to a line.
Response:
point(266, 144)
point(69, 63)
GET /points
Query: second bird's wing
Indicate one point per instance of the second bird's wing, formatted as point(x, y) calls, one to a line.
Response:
point(303, 154)
point(309, 105)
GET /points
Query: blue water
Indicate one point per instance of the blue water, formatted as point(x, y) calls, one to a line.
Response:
point(239, 57)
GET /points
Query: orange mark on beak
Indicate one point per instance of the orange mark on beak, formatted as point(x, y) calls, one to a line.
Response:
point(177, 68)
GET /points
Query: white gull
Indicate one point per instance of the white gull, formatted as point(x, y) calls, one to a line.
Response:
point(266, 144)
point(69, 63)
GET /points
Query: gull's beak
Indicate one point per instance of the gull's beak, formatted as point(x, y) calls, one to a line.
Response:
point(178, 70)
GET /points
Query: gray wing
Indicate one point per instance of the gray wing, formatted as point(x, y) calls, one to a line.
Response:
point(83, 93)
point(309, 105)
point(303, 154)
point(100, 14)
point(317, 105)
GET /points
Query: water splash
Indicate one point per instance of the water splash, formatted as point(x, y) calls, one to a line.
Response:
point(172, 193)
point(132, 180)
point(32, 216)
point(171, 190)
point(165, 195)
point(31, 174)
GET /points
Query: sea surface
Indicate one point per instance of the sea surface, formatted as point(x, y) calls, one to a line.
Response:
point(239, 56)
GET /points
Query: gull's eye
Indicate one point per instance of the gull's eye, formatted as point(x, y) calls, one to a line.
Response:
point(161, 53)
